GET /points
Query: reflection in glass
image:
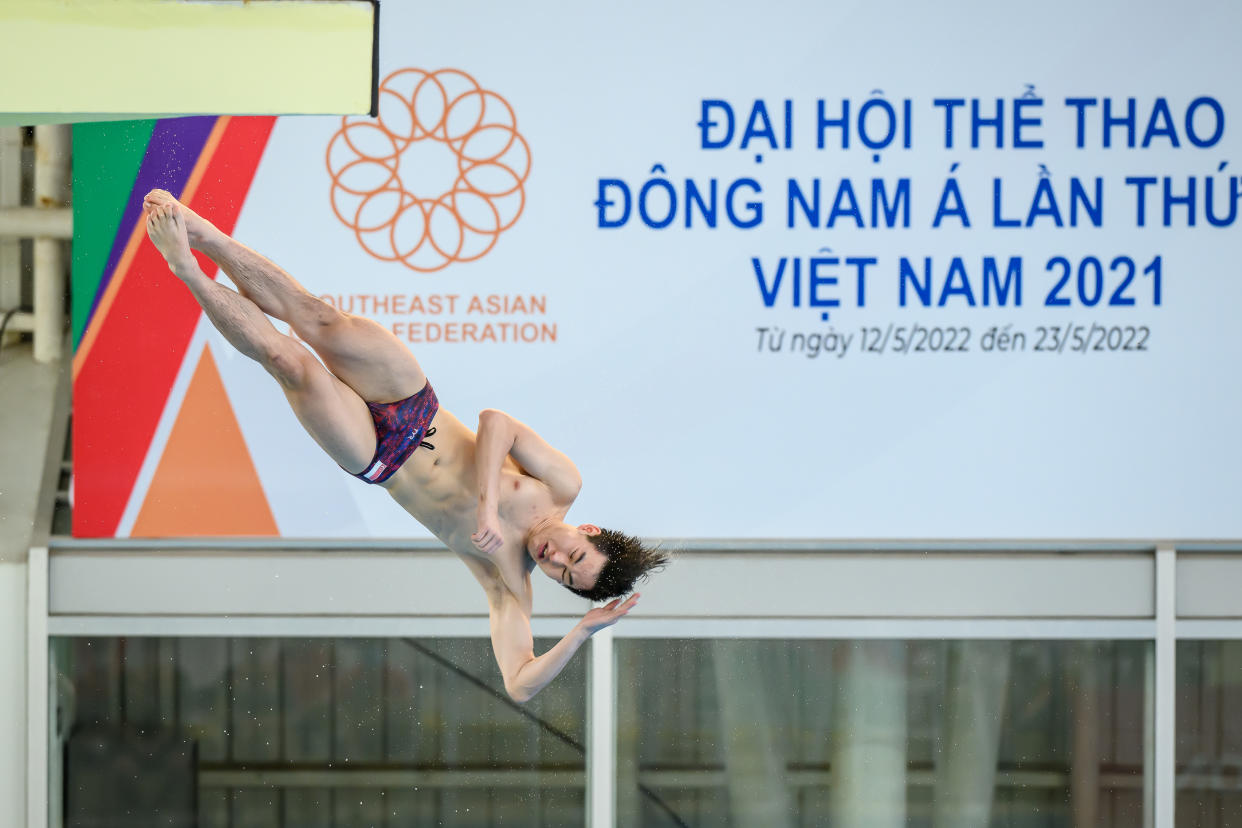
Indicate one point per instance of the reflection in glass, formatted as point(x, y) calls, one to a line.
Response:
point(1209, 734)
point(321, 732)
point(941, 734)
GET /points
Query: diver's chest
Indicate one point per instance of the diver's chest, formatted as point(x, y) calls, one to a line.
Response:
point(521, 497)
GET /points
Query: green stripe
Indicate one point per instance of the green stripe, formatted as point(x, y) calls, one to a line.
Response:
point(106, 158)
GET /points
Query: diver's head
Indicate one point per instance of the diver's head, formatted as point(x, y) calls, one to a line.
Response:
point(565, 553)
point(595, 563)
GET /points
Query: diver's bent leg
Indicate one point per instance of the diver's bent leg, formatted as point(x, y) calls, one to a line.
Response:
point(362, 353)
point(335, 417)
point(275, 292)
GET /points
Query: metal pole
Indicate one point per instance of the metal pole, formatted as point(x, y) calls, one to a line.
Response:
point(965, 768)
point(1149, 738)
point(1166, 685)
point(10, 196)
point(51, 189)
point(1085, 756)
point(628, 808)
point(869, 740)
point(758, 788)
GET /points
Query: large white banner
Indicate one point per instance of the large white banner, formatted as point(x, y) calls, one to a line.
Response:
point(792, 270)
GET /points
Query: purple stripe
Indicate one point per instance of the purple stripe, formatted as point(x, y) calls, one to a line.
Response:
point(172, 152)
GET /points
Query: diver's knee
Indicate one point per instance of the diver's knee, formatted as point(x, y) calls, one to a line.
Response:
point(289, 363)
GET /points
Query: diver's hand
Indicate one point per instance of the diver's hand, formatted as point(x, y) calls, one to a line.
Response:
point(487, 538)
point(607, 615)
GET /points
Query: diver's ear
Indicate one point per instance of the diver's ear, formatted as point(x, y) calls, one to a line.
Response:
point(590, 528)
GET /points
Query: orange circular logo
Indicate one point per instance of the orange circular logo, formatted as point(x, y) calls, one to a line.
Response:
point(437, 177)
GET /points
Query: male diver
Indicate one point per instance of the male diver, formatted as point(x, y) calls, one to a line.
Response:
point(497, 497)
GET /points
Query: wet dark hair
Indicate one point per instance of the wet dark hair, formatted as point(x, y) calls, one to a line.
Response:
point(628, 561)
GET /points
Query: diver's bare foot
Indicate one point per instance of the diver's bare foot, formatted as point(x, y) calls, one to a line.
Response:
point(198, 230)
point(167, 229)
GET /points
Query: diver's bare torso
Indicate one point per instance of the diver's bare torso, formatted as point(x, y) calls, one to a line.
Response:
point(439, 488)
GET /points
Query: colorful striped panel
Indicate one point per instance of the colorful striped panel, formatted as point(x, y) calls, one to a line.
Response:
point(136, 340)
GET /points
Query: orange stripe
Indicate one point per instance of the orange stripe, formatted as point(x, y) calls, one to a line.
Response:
point(131, 249)
point(105, 302)
point(209, 149)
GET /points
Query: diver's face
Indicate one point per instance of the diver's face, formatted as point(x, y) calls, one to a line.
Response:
point(566, 555)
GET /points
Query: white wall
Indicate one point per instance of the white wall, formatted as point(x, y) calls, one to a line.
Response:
point(12, 694)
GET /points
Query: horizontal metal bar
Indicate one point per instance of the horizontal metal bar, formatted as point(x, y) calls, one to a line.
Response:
point(400, 584)
point(1209, 547)
point(676, 545)
point(634, 627)
point(21, 321)
point(379, 778)
point(707, 778)
point(1047, 780)
point(163, 626)
point(681, 778)
point(1208, 781)
point(62, 543)
point(903, 545)
point(1214, 629)
point(888, 629)
point(36, 222)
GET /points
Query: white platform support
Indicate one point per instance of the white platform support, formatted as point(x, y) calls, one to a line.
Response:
point(602, 733)
point(39, 702)
point(242, 588)
point(38, 719)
